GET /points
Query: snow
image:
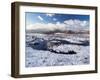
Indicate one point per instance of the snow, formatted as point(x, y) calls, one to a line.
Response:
point(36, 58)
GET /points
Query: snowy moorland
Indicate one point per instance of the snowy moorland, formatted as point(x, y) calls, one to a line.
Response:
point(56, 49)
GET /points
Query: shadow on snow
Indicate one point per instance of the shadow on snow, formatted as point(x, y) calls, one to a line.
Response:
point(41, 44)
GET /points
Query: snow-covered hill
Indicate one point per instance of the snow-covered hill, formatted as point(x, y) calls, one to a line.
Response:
point(38, 56)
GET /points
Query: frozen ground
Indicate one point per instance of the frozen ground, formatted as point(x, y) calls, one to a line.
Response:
point(71, 42)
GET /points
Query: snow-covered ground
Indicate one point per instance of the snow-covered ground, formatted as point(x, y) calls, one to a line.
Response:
point(36, 58)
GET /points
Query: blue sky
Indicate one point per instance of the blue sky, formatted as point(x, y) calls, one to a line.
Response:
point(44, 22)
point(33, 17)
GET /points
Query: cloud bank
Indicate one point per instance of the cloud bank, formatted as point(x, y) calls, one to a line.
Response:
point(74, 25)
point(77, 25)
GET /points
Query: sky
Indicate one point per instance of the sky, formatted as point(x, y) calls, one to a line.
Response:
point(49, 21)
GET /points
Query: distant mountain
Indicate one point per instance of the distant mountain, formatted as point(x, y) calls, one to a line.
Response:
point(58, 31)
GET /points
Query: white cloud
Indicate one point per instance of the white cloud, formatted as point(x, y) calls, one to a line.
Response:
point(58, 23)
point(50, 14)
point(40, 27)
point(69, 22)
point(40, 18)
point(54, 19)
point(75, 25)
point(85, 23)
